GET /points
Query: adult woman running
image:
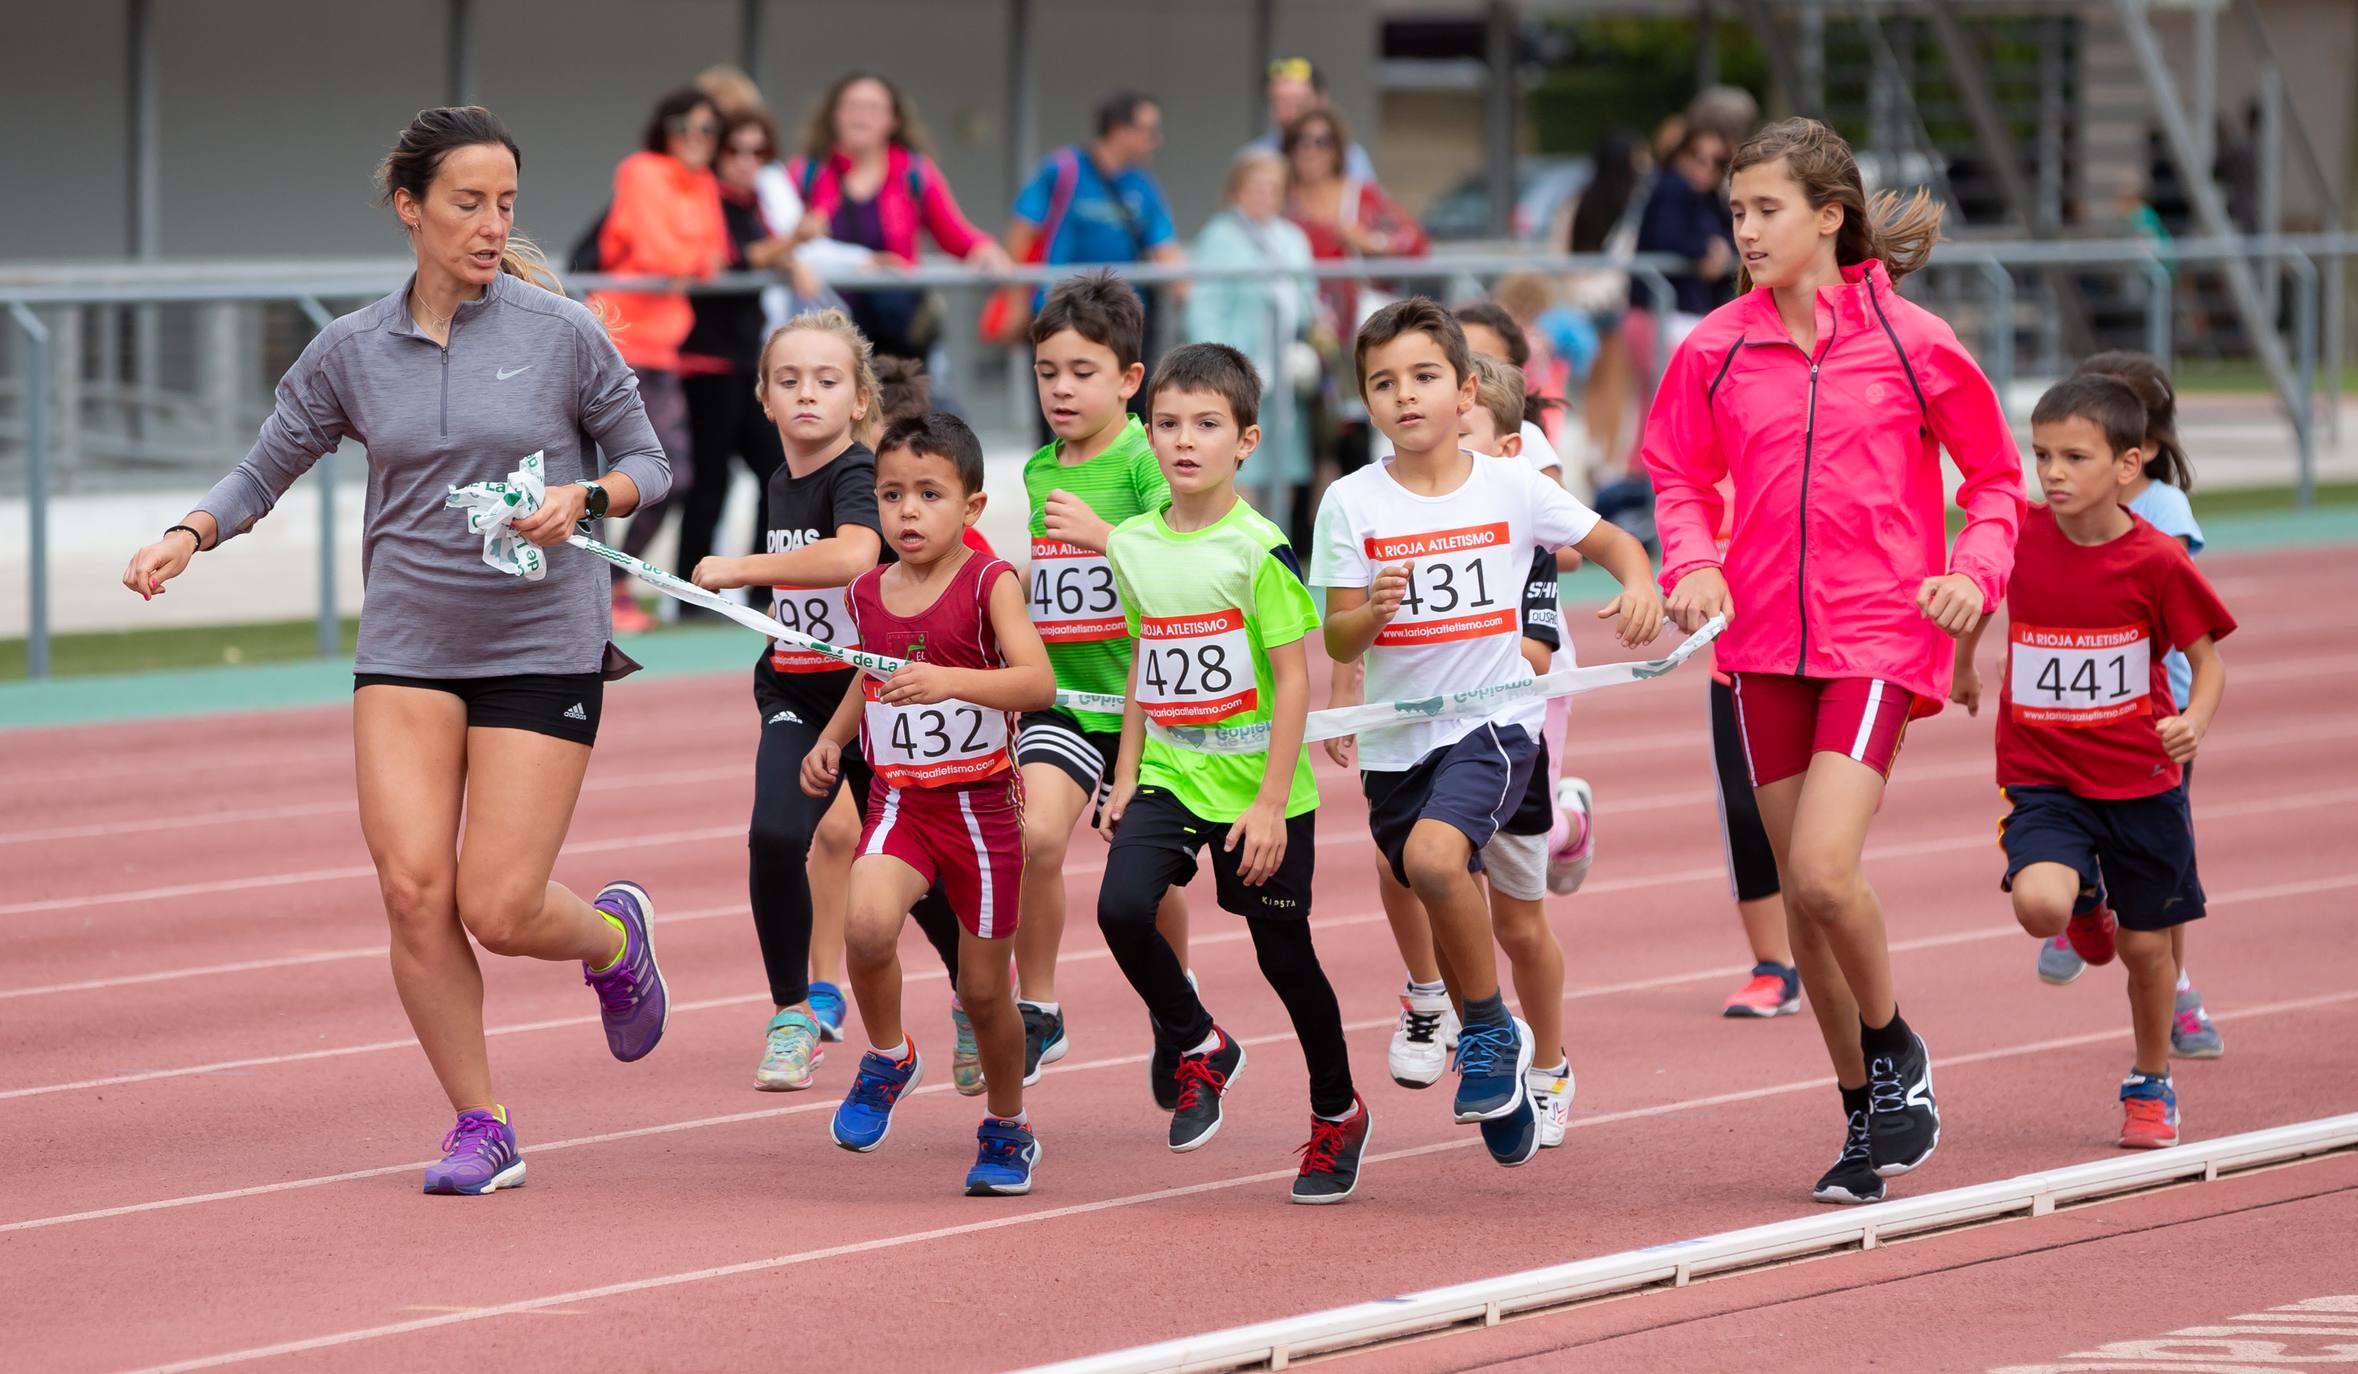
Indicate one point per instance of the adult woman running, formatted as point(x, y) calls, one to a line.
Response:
point(473, 691)
point(1828, 398)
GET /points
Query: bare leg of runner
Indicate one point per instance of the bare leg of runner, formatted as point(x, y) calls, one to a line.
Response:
point(1817, 824)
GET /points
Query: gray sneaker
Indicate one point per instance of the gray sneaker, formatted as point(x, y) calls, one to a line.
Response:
point(2192, 1036)
point(2059, 963)
point(631, 995)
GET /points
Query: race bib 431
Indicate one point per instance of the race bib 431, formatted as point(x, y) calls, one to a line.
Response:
point(1462, 584)
point(2075, 678)
point(1072, 598)
point(1195, 669)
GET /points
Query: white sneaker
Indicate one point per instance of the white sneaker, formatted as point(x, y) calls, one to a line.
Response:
point(1567, 868)
point(1551, 1098)
point(1422, 1041)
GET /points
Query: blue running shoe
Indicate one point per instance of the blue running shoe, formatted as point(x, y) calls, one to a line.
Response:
point(1003, 1166)
point(865, 1118)
point(478, 1156)
point(1491, 1062)
point(826, 1001)
point(631, 996)
point(1514, 1138)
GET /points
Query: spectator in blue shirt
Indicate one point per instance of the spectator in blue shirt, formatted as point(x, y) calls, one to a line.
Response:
point(1097, 203)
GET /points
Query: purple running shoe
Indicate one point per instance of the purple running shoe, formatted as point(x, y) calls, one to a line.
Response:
point(631, 995)
point(478, 1156)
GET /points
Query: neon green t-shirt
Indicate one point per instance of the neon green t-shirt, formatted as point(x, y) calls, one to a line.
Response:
point(1071, 592)
point(1207, 606)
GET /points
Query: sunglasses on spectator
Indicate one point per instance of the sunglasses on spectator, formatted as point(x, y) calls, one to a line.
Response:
point(708, 128)
point(752, 150)
point(1317, 140)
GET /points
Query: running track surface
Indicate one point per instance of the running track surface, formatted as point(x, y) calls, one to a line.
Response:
point(218, 1118)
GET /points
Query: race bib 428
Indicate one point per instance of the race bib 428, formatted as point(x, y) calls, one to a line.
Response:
point(1462, 584)
point(1195, 669)
point(2078, 678)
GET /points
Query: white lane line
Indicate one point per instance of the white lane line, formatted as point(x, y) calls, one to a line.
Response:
point(776, 1262)
point(621, 782)
point(1116, 1061)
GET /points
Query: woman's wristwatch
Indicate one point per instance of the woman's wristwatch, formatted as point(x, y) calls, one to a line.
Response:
point(595, 507)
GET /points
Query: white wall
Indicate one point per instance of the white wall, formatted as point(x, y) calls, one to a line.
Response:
point(274, 112)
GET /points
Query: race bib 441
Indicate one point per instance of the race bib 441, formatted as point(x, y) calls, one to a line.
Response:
point(1462, 584)
point(1072, 598)
point(2078, 678)
point(1195, 669)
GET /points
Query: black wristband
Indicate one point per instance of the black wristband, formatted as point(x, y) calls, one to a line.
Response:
point(200, 539)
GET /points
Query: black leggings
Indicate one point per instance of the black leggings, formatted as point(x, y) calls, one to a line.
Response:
point(779, 851)
point(1752, 865)
point(1126, 906)
point(726, 424)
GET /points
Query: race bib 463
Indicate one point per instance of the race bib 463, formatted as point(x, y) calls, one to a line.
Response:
point(1072, 598)
point(1462, 584)
point(1195, 669)
point(2077, 678)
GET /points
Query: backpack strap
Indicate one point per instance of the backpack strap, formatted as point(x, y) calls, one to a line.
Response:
point(1060, 198)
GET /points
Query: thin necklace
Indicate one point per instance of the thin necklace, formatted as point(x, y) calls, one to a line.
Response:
point(433, 321)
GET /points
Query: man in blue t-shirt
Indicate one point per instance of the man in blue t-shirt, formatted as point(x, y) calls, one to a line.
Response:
point(1097, 202)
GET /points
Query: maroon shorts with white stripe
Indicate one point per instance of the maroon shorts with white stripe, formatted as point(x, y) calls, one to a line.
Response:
point(1785, 720)
point(968, 839)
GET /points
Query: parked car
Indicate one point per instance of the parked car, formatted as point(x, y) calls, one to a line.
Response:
point(1544, 186)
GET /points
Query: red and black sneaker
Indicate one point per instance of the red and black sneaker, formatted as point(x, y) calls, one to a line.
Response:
point(1203, 1080)
point(2092, 935)
point(1330, 1161)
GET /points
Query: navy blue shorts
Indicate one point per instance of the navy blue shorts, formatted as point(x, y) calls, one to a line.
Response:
point(1474, 785)
point(2142, 848)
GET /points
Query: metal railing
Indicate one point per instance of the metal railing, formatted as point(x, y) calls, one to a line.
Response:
point(2315, 264)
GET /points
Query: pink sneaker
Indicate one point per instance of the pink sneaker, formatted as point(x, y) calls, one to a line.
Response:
point(1575, 845)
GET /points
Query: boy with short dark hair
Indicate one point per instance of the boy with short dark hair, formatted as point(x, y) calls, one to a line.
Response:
point(1211, 590)
point(2099, 843)
point(946, 806)
point(1097, 472)
point(1425, 559)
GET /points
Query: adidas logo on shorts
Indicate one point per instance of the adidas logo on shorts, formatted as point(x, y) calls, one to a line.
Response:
point(574, 712)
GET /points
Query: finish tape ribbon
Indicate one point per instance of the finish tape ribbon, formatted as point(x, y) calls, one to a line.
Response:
point(491, 508)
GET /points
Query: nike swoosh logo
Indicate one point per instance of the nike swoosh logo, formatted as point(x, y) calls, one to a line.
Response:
point(506, 372)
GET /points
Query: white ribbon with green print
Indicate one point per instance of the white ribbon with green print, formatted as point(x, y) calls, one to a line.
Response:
point(492, 506)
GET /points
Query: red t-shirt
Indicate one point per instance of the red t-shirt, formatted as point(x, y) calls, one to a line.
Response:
point(2084, 665)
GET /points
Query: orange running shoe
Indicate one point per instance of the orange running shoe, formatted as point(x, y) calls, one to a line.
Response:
point(2150, 1107)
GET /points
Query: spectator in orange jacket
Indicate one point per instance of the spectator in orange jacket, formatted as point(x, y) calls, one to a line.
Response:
point(665, 222)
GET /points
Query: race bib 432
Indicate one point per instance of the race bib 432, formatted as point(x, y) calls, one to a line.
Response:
point(2077, 678)
point(942, 745)
point(1072, 598)
point(1195, 669)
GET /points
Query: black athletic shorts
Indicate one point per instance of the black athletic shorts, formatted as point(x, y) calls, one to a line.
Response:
point(2142, 847)
point(1155, 849)
point(1086, 756)
point(561, 705)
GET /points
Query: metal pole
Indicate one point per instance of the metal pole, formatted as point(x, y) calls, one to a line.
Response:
point(2337, 287)
point(458, 53)
point(2051, 124)
point(36, 488)
point(1022, 111)
point(1813, 58)
point(1278, 416)
point(1264, 39)
point(144, 125)
point(2002, 342)
point(2160, 309)
point(2205, 113)
point(328, 642)
point(1499, 118)
point(2271, 177)
point(2305, 380)
point(749, 24)
point(1706, 44)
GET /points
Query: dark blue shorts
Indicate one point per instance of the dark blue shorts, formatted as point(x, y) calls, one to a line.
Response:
point(2142, 848)
point(1474, 785)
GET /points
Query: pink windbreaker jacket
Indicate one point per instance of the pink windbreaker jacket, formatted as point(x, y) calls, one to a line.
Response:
point(1836, 469)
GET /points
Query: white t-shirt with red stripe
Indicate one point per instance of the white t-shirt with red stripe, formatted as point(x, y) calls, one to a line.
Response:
point(1469, 553)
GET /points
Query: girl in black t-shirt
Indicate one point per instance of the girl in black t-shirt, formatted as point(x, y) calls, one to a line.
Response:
point(816, 383)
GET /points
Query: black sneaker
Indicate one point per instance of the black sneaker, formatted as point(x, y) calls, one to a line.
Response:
point(1162, 1074)
point(1043, 1040)
point(1330, 1161)
point(1903, 1122)
point(1203, 1080)
point(1853, 1178)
